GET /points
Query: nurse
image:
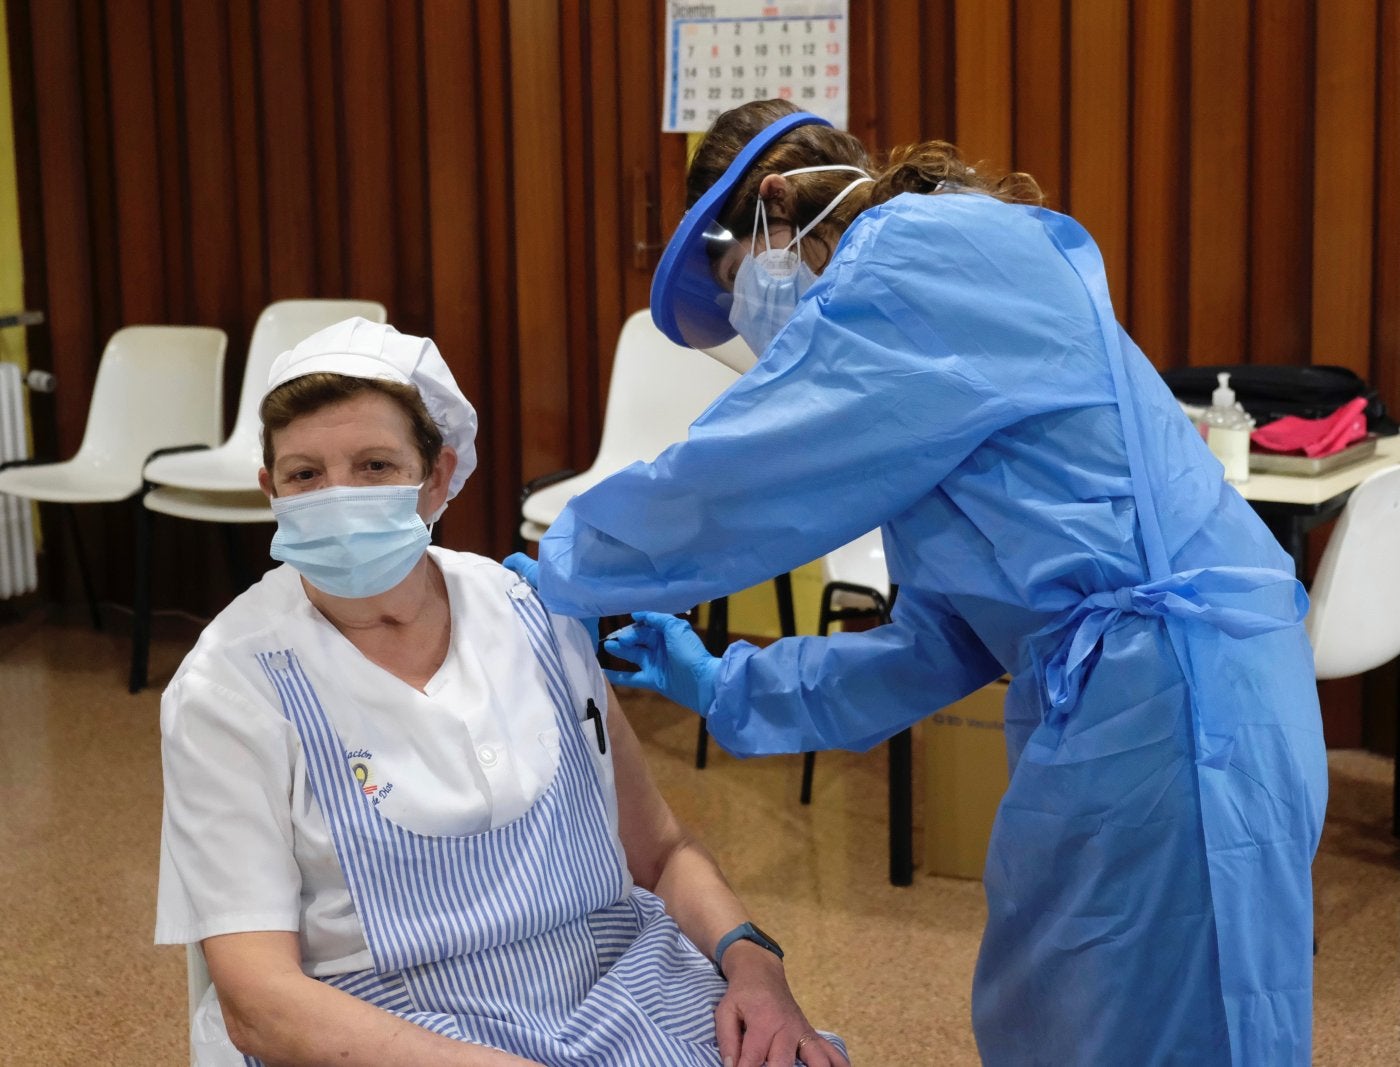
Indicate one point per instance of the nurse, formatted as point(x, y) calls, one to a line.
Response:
point(404, 816)
point(938, 357)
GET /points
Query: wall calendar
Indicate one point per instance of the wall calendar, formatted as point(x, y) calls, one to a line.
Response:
point(727, 52)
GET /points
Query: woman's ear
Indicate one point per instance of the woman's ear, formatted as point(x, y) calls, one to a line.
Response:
point(773, 190)
point(265, 483)
point(439, 478)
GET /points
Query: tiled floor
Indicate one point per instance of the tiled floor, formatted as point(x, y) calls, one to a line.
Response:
point(80, 982)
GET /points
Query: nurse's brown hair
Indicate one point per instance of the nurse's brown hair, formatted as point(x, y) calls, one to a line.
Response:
point(311, 392)
point(933, 166)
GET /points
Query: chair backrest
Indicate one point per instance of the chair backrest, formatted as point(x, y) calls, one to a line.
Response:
point(860, 562)
point(280, 327)
point(156, 387)
point(657, 390)
point(1354, 621)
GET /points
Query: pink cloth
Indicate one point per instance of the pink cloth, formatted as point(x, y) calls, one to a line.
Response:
point(1314, 437)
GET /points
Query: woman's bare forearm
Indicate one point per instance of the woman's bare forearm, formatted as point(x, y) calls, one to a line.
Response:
point(285, 1019)
point(662, 855)
point(697, 895)
point(757, 1019)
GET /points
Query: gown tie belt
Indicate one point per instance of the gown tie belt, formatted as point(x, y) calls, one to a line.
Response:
point(1240, 601)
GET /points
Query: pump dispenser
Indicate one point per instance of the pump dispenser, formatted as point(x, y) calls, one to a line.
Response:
point(1224, 396)
point(1227, 428)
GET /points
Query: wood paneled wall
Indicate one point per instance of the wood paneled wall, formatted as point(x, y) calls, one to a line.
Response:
point(493, 171)
point(1230, 156)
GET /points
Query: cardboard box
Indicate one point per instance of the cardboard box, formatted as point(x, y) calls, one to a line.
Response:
point(964, 779)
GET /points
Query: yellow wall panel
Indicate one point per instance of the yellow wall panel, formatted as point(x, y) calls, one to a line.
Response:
point(12, 348)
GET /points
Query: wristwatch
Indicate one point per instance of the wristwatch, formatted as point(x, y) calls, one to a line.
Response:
point(744, 932)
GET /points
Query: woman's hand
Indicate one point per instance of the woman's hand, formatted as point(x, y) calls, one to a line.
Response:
point(758, 1021)
point(672, 659)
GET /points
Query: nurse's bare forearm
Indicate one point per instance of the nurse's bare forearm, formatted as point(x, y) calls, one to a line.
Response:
point(278, 1015)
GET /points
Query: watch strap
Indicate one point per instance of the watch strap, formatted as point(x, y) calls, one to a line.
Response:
point(744, 932)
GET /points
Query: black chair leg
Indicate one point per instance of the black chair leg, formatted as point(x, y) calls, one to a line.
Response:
point(809, 764)
point(902, 808)
point(84, 571)
point(716, 640)
point(787, 617)
point(717, 626)
point(141, 600)
point(237, 565)
point(824, 618)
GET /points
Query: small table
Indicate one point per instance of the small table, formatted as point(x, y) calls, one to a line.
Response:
point(1291, 505)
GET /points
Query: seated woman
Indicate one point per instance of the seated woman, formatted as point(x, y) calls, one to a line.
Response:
point(404, 816)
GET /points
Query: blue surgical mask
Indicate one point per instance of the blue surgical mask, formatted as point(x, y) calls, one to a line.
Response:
point(351, 541)
point(769, 284)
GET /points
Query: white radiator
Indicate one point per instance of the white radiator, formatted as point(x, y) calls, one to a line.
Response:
point(19, 573)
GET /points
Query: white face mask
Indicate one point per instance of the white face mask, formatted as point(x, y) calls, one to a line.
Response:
point(768, 285)
point(351, 541)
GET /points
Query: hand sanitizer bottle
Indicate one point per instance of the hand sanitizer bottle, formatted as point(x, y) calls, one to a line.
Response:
point(1227, 428)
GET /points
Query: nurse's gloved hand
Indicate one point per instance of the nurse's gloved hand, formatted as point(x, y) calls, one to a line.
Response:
point(529, 569)
point(524, 566)
point(671, 659)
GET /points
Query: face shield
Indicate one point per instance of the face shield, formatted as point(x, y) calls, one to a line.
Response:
point(687, 304)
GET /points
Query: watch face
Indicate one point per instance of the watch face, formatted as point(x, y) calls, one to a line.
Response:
point(763, 935)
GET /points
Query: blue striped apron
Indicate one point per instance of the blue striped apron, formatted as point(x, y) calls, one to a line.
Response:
point(522, 937)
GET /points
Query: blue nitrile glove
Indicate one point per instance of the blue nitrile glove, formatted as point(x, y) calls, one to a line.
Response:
point(672, 659)
point(523, 565)
point(529, 569)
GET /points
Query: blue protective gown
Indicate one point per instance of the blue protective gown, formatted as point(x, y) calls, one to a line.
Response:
point(956, 377)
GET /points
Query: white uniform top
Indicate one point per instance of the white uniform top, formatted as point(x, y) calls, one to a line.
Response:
point(243, 843)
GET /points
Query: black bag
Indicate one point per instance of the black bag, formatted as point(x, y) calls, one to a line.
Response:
point(1271, 392)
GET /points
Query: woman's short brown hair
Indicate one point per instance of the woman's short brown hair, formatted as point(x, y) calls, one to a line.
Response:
point(311, 392)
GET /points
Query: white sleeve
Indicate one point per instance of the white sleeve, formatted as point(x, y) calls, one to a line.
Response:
point(227, 862)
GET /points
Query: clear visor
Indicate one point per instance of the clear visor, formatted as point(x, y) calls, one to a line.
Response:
point(687, 303)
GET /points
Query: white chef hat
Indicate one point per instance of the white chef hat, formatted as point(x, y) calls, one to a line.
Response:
point(359, 348)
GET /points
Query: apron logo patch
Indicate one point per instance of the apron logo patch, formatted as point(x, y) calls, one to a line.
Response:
point(363, 771)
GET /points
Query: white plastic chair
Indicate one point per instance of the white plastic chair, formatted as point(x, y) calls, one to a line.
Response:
point(656, 391)
point(157, 387)
point(233, 466)
point(220, 485)
point(857, 586)
point(1354, 620)
point(855, 571)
